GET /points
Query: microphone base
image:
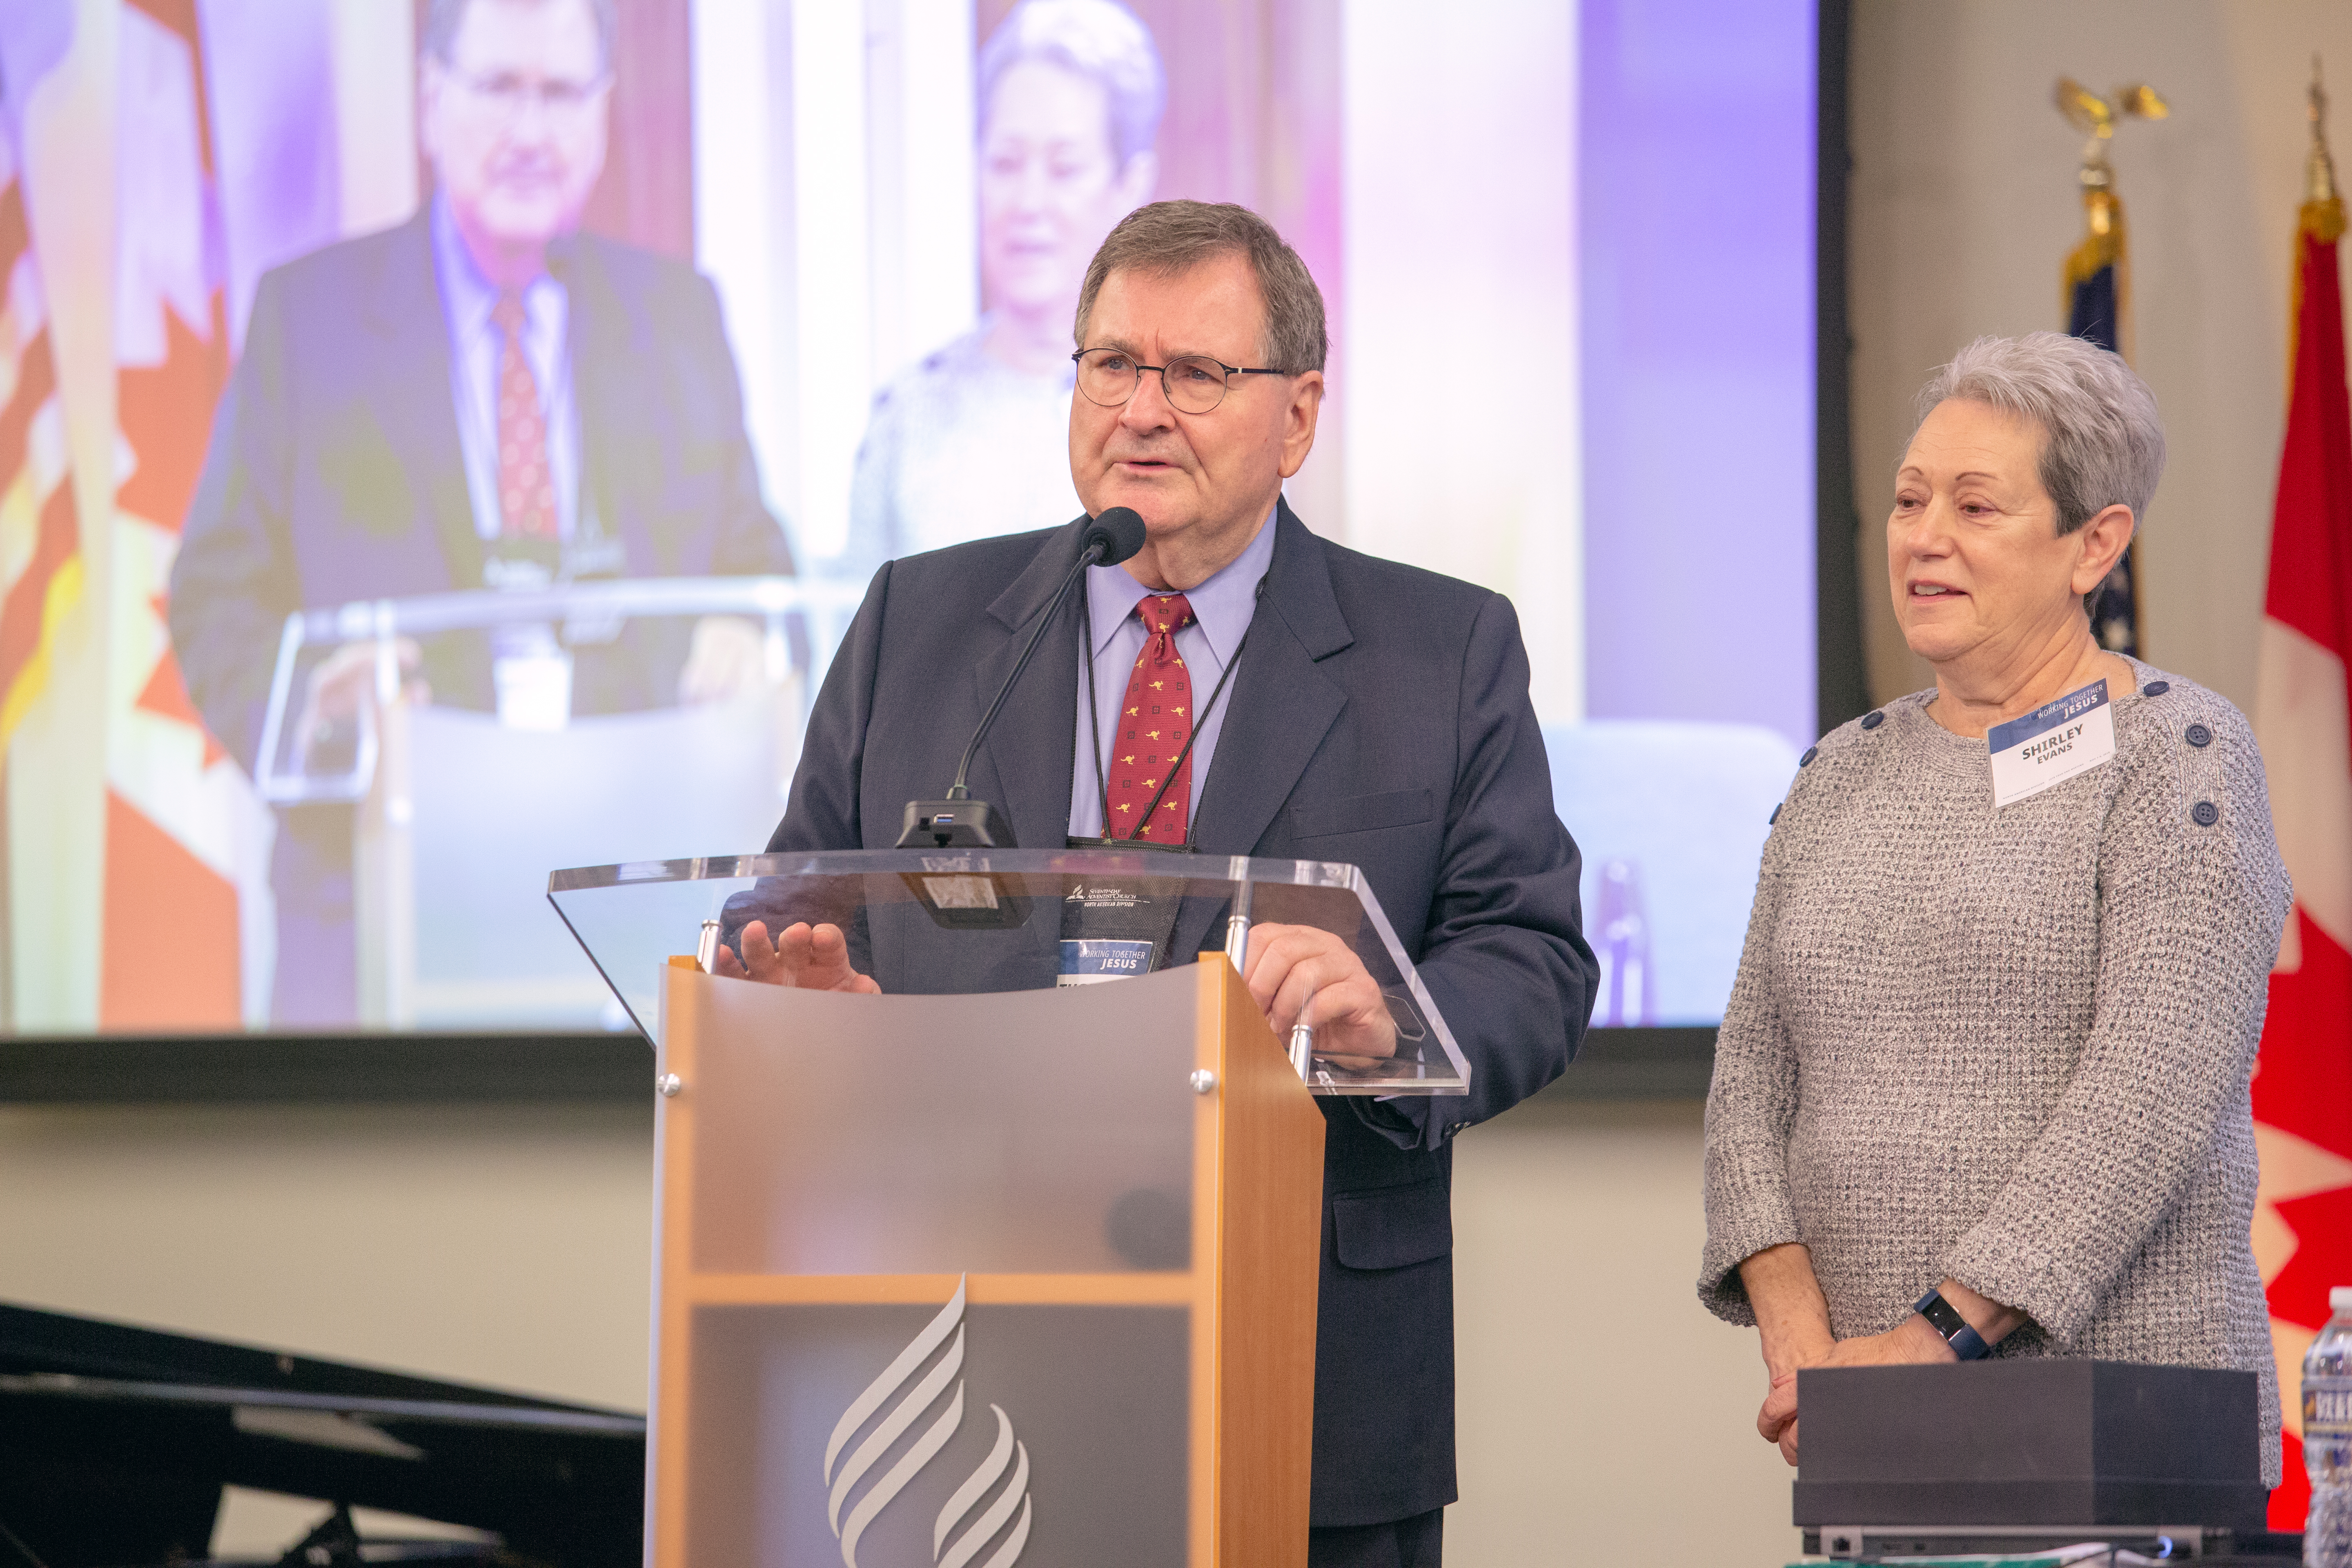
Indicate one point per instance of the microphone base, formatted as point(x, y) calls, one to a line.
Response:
point(956, 824)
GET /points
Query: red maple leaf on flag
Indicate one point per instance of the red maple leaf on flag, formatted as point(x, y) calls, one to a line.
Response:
point(165, 412)
point(167, 693)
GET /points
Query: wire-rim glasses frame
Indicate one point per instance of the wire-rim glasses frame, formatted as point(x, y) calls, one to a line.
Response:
point(1096, 361)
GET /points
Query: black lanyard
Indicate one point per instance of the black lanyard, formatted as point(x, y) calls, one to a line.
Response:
point(1199, 721)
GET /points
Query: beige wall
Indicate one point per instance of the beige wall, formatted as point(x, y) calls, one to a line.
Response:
point(1964, 201)
point(496, 1245)
point(1604, 1416)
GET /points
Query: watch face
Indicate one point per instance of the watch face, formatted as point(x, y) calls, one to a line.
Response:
point(1945, 1318)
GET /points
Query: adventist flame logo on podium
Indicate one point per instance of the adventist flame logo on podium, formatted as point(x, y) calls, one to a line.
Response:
point(882, 1391)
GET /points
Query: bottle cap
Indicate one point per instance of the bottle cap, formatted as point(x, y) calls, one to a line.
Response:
point(2339, 1299)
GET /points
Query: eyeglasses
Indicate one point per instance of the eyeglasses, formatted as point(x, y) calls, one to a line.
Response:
point(1194, 384)
point(508, 95)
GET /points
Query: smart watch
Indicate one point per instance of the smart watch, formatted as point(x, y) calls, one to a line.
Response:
point(1945, 1319)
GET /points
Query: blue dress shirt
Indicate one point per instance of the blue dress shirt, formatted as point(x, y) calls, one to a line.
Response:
point(1221, 608)
point(466, 298)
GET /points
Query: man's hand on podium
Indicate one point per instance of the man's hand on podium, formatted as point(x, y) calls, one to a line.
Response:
point(726, 659)
point(813, 958)
point(1291, 969)
point(344, 683)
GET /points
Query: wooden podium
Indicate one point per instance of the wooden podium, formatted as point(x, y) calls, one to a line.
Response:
point(995, 1267)
point(730, 1470)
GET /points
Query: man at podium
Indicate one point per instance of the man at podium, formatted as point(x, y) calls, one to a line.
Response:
point(1241, 687)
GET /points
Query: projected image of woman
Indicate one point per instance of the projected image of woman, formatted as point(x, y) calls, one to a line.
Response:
point(1982, 1087)
point(973, 440)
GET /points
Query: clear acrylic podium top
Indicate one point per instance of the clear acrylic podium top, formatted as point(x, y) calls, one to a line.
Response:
point(960, 921)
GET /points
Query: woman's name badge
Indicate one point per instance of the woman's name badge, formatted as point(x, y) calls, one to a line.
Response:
point(2052, 744)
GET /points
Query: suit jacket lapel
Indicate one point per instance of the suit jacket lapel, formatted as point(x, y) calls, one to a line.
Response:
point(417, 398)
point(1281, 706)
point(1035, 735)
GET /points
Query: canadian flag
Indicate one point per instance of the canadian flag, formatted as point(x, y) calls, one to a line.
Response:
point(187, 883)
point(2303, 1079)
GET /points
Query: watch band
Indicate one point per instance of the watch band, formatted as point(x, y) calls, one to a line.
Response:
point(1945, 1320)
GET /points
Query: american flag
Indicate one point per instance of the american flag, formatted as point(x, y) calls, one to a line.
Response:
point(2098, 298)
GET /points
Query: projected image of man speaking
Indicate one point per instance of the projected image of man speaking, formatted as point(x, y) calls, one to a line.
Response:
point(481, 398)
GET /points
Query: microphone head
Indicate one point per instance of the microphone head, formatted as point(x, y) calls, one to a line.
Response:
point(1119, 531)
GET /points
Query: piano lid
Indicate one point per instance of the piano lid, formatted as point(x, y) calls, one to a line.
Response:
point(115, 1443)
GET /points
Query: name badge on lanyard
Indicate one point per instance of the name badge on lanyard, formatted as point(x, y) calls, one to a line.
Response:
point(2052, 744)
point(1091, 961)
point(1117, 927)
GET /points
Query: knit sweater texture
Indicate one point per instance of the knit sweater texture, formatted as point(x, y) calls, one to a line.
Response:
point(2011, 1047)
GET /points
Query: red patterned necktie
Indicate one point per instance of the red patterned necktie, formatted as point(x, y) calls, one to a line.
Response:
point(1154, 722)
point(526, 487)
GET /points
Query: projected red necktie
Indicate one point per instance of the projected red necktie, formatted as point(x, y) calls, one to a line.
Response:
point(1154, 722)
point(526, 486)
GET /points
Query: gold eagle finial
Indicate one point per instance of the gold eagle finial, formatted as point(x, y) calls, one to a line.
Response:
point(2096, 116)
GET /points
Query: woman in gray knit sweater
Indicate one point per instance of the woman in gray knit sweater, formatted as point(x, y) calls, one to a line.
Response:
point(1987, 1061)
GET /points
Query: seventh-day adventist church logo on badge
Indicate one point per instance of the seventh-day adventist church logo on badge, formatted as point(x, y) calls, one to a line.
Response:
point(905, 1407)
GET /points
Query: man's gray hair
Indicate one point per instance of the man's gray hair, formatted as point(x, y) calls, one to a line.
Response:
point(443, 17)
point(1098, 39)
point(2102, 442)
point(1168, 238)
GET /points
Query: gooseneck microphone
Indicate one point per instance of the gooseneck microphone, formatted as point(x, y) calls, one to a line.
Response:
point(958, 821)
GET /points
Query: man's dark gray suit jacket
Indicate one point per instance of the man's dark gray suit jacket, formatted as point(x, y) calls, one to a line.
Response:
point(1379, 716)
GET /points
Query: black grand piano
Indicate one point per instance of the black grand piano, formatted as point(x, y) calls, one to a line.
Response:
point(115, 1443)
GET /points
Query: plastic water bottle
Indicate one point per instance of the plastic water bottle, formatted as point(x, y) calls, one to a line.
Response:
point(2328, 1437)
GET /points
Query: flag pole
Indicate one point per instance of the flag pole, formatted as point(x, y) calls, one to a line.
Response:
point(2322, 218)
point(2319, 169)
point(2094, 295)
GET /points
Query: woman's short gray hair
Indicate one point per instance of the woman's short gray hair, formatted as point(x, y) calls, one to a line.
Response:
point(2102, 442)
point(1098, 39)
